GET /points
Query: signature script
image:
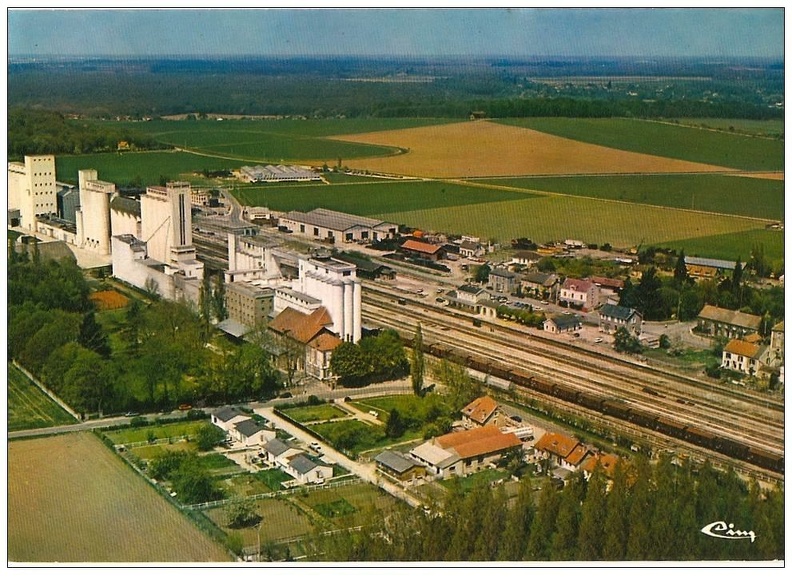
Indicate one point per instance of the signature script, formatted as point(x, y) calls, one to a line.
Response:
point(720, 529)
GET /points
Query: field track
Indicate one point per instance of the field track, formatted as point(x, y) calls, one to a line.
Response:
point(484, 148)
point(70, 499)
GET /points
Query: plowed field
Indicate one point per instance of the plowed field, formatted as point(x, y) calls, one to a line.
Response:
point(70, 499)
point(483, 148)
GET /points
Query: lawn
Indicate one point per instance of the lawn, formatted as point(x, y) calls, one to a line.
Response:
point(733, 195)
point(667, 140)
point(375, 198)
point(71, 499)
point(147, 452)
point(138, 434)
point(29, 407)
point(244, 485)
point(759, 127)
point(350, 505)
point(323, 412)
point(280, 520)
point(484, 476)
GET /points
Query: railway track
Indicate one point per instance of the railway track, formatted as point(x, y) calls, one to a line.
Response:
point(749, 419)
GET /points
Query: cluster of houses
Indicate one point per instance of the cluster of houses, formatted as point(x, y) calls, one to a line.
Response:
point(485, 437)
point(246, 433)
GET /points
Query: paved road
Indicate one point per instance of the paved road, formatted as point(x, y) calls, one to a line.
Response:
point(84, 426)
point(367, 471)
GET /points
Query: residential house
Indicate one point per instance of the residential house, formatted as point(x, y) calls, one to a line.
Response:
point(564, 451)
point(470, 249)
point(250, 434)
point(613, 317)
point(542, 286)
point(483, 411)
point(226, 417)
point(562, 323)
point(527, 258)
point(580, 294)
point(504, 281)
point(307, 471)
point(714, 321)
point(608, 283)
point(310, 333)
point(777, 344)
point(743, 356)
point(398, 466)
point(279, 452)
point(465, 452)
point(467, 297)
point(606, 461)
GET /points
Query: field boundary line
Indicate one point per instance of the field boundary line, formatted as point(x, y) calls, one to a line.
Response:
point(46, 391)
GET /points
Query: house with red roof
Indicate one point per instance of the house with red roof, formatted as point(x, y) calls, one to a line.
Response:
point(423, 250)
point(743, 356)
point(310, 332)
point(580, 294)
point(564, 451)
point(483, 411)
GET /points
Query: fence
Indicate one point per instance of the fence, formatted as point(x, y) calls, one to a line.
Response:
point(347, 481)
point(46, 391)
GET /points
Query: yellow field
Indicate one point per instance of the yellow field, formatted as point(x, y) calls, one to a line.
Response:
point(484, 148)
point(70, 499)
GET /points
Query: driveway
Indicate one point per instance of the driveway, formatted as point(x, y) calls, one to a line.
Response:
point(366, 472)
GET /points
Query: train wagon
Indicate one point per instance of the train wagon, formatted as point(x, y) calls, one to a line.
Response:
point(702, 437)
point(672, 427)
point(616, 409)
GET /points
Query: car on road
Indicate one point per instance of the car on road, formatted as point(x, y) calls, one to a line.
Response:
point(131, 414)
point(315, 446)
point(597, 340)
point(545, 302)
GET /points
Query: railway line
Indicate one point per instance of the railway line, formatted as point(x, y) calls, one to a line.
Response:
point(747, 424)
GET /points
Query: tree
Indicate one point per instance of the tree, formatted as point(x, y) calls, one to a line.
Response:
point(736, 282)
point(395, 426)
point(207, 436)
point(93, 336)
point(219, 309)
point(481, 273)
point(87, 383)
point(592, 518)
point(623, 341)
point(417, 362)
point(680, 271)
point(241, 513)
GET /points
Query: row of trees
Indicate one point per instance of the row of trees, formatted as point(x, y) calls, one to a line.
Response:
point(649, 512)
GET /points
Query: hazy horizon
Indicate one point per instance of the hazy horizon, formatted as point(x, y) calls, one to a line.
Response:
point(653, 33)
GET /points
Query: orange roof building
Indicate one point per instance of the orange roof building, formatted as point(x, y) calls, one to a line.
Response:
point(423, 249)
point(566, 451)
point(309, 330)
point(606, 461)
point(480, 412)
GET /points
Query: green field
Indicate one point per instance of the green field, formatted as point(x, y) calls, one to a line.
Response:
point(758, 127)
point(732, 195)
point(375, 198)
point(29, 407)
point(550, 218)
point(668, 140)
point(138, 434)
point(315, 413)
point(730, 246)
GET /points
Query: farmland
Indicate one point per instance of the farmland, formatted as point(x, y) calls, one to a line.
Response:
point(28, 407)
point(485, 148)
point(375, 198)
point(72, 484)
point(666, 140)
point(730, 246)
point(732, 195)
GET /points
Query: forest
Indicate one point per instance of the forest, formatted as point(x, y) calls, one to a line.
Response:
point(366, 88)
point(646, 512)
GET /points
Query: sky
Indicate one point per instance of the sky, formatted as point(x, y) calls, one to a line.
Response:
point(519, 32)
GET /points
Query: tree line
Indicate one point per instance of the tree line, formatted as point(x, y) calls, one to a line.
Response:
point(647, 512)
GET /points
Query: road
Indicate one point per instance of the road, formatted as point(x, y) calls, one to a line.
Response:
point(366, 472)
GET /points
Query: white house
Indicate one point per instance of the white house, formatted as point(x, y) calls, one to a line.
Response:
point(251, 434)
point(226, 417)
point(306, 471)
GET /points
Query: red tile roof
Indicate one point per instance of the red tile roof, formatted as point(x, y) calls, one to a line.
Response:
point(607, 462)
point(301, 327)
point(608, 282)
point(742, 348)
point(582, 285)
point(477, 442)
point(481, 409)
point(557, 443)
point(420, 247)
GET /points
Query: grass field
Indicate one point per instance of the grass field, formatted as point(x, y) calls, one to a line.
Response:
point(374, 198)
point(279, 517)
point(315, 413)
point(137, 434)
point(351, 505)
point(759, 127)
point(667, 140)
point(70, 499)
point(28, 407)
point(731, 195)
point(471, 149)
point(730, 246)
